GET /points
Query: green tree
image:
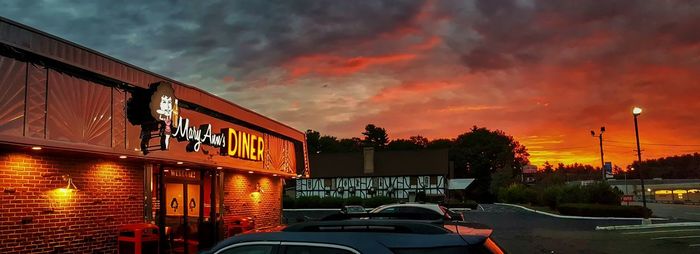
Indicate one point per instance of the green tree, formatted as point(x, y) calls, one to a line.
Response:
point(482, 151)
point(328, 144)
point(375, 136)
point(440, 143)
point(419, 141)
point(312, 140)
point(402, 144)
point(350, 145)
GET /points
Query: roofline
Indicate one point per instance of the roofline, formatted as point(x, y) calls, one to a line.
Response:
point(35, 30)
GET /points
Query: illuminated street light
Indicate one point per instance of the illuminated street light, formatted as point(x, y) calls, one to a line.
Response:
point(636, 112)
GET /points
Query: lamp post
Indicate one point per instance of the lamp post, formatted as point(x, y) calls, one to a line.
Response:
point(636, 112)
point(602, 160)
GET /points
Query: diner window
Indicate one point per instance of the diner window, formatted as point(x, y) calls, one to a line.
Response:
point(414, 180)
point(433, 180)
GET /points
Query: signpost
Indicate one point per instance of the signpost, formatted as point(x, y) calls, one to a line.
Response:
point(608, 170)
point(627, 199)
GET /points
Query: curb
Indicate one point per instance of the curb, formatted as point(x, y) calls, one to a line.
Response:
point(662, 225)
point(577, 217)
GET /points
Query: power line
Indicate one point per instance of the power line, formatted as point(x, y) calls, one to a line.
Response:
point(652, 144)
point(562, 148)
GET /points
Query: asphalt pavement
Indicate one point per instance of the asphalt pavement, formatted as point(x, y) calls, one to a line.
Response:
point(675, 211)
point(521, 231)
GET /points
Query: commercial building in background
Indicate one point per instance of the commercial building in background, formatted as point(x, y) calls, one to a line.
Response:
point(398, 174)
point(661, 190)
point(89, 143)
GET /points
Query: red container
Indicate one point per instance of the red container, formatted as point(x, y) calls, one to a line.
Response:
point(138, 239)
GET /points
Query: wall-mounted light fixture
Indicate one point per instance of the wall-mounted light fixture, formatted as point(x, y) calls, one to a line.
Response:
point(70, 186)
point(36, 148)
point(122, 156)
point(256, 194)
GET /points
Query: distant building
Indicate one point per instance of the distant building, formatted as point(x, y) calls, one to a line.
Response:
point(398, 174)
point(661, 190)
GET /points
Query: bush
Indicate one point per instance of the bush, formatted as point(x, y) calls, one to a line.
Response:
point(550, 196)
point(308, 202)
point(518, 194)
point(571, 194)
point(354, 201)
point(378, 201)
point(331, 202)
point(601, 193)
point(288, 202)
point(599, 210)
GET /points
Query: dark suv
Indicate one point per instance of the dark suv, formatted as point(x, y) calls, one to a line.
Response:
point(361, 236)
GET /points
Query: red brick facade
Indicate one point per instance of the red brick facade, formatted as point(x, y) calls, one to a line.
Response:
point(242, 199)
point(36, 216)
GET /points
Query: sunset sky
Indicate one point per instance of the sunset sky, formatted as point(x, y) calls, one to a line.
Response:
point(546, 72)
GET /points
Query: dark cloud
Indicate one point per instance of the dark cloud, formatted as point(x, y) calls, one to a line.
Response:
point(239, 36)
point(546, 70)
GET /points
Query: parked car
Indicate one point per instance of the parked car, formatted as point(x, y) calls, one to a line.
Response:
point(352, 209)
point(420, 208)
point(361, 236)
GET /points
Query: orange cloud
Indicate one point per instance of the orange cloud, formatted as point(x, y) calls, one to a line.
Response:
point(410, 89)
point(333, 65)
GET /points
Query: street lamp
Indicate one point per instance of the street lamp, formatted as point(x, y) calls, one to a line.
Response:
point(628, 169)
point(602, 160)
point(636, 112)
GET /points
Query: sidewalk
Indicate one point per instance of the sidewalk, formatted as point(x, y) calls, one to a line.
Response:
point(578, 217)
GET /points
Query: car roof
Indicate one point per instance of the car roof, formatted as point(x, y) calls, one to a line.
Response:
point(418, 235)
point(364, 242)
point(434, 207)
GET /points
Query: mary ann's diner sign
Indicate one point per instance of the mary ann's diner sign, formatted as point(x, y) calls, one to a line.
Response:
point(163, 107)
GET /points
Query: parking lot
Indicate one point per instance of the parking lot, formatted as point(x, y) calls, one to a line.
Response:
point(521, 231)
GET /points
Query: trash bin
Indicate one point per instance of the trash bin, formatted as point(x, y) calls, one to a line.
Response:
point(138, 239)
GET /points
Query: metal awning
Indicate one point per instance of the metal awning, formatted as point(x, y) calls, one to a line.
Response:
point(459, 184)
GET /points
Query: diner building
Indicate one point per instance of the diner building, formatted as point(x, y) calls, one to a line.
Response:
point(89, 144)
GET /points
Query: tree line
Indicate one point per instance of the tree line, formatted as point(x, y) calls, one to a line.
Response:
point(477, 153)
point(685, 166)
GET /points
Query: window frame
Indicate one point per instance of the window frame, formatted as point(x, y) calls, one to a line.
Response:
point(275, 244)
point(283, 246)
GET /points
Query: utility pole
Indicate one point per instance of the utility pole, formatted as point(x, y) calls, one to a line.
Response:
point(636, 112)
point(602, 159)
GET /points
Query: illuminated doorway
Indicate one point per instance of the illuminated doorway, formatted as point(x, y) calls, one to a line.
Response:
point(185, 207)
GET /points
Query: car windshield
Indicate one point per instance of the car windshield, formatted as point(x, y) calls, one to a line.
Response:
point(356, 209)
point(522, 126)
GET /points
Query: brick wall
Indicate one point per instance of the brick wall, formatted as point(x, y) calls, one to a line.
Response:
point(240, 199)
point(38, 217)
